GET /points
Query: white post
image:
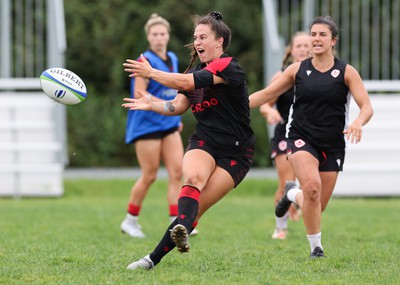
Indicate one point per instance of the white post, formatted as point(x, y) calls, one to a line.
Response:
point(5, 38)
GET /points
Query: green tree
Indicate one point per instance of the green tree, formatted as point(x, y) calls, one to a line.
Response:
point(101, 34)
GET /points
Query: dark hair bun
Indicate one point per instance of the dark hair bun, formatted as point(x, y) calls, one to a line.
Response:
point(216, 15)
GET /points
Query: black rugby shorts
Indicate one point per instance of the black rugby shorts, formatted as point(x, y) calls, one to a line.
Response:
point(156, 135)
point(278, 147)
point(329, 160)
point(236, 162)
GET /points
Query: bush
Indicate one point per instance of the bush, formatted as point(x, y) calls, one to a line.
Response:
point(102, 34)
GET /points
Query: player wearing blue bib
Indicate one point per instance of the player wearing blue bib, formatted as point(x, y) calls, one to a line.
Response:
point(140, 123)
point(156, 137)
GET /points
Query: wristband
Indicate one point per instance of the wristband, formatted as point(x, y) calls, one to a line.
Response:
point(165, 107)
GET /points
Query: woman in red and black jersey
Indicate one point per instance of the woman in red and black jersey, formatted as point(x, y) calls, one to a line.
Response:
point(221, 149)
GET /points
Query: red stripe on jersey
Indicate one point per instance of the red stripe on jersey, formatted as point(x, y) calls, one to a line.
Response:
point(218, 65)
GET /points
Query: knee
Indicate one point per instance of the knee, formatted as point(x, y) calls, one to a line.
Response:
point(149, 178)
point(312, 191)
point(195, 181)
point(175, 174)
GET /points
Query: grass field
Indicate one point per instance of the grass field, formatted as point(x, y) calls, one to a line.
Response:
point(76, 240)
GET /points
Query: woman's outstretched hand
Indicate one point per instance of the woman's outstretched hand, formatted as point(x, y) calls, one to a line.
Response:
point(140, 68)
point(142, 103)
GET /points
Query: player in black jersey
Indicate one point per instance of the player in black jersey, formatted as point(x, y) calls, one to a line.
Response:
point(221, 150)
point(317, 126)
point(297, 50)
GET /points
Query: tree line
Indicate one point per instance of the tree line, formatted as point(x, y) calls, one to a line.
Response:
point(101, 34)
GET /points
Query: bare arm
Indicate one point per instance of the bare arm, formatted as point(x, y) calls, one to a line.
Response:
point(174, 107)
point(268, 111)
point(143, 69)
point(177, 81)
point(360, 95)
point(142, 84)
point(276, 88)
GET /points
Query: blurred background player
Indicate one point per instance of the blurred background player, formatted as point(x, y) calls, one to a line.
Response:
point(276, 113)
point(156, 137)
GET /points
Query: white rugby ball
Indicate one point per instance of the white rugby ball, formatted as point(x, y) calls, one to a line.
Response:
point(63, 86)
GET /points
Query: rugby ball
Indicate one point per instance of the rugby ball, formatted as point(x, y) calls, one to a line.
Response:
point(63, 86)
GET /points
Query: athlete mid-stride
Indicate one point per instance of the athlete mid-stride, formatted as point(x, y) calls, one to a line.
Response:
point(317, 125)
point(221, 150)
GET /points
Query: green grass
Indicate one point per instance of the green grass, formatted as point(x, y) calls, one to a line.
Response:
point(76, 240)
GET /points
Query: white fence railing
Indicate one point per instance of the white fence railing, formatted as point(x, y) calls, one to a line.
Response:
point(369, 32)
point(32, 127)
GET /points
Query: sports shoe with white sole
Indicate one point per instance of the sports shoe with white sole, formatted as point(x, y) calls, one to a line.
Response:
point(284, 203)
point(317, 253)
point(131, 227)
point(179, 236)
point(144, 263)
point(195, 232)
point(279, 234)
